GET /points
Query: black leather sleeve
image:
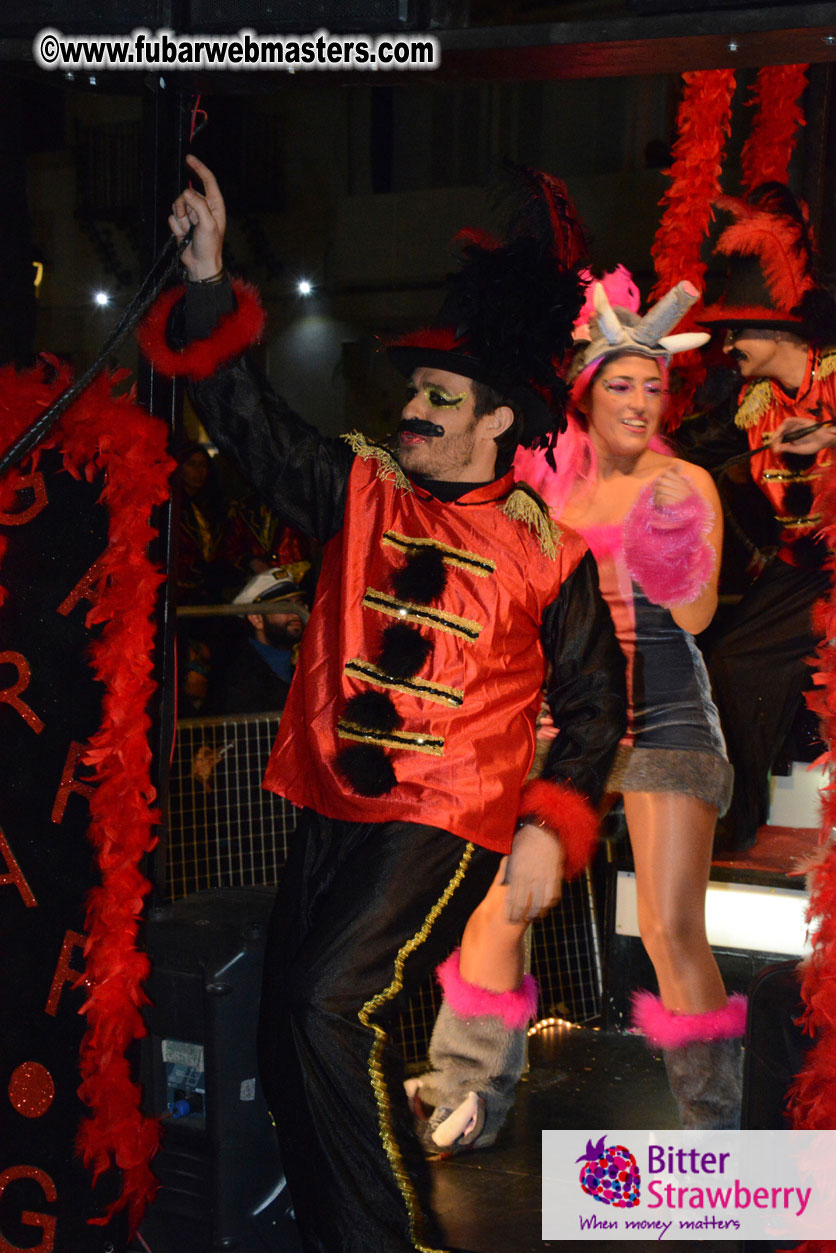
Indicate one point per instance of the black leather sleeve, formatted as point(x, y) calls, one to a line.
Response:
point(587, 690)
point(296, 470)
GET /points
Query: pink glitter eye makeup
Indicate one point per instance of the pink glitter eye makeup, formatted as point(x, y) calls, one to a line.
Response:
point(622, 386)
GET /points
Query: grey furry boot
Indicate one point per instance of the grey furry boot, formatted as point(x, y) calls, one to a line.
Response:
point(703, 1058)
point(477, 1054)
point(706, 1080)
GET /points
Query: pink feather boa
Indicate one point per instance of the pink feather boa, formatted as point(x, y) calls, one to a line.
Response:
point(468, 1000)
point(666, 550)
point(668, 1030)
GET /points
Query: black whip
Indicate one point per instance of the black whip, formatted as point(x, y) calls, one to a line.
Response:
point(791, 437)
point(147, 292)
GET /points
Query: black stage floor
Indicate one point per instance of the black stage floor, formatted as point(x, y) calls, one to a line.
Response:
point(489, 1201)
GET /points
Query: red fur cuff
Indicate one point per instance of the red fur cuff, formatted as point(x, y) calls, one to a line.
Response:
point(234, 332)
point(569, 815)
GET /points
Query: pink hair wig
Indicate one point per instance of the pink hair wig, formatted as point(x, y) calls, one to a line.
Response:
point(621, 292)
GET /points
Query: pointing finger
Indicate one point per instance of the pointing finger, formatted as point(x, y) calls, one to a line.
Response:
point(210, 187)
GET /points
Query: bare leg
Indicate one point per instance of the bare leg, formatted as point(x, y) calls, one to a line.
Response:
point(493, 955)
point(671, 835)
point(477, 1050)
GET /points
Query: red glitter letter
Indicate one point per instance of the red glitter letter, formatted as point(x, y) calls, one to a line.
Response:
point(83, 589)
point(69, 783)
point(64, 972)
point(36, 483)
point(45, 1221)
point(15, 875)
point(11, 695)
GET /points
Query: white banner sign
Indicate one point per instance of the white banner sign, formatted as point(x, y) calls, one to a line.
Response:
point(689, 1185)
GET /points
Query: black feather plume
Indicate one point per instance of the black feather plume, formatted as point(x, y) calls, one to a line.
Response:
point(403, 651)
point(422, 578)
point(373, 710)
point(367, 769)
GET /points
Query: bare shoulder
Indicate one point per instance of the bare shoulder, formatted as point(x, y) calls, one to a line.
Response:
point(700, 478)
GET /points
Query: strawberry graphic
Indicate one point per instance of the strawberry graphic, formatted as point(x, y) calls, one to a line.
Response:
point(610, 1174)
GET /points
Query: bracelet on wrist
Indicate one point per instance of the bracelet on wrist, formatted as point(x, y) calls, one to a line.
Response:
point(530, 820)
point(207, 282)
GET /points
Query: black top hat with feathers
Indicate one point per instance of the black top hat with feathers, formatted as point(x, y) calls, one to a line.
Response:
point(509, 310)
point(771, 274)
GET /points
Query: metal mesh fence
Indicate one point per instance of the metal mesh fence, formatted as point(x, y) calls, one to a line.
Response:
point(226, 830)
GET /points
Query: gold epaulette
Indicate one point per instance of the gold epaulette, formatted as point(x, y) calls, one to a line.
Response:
point(524, 505)
point(756, 401)
point(387, 466)
point(828, 363)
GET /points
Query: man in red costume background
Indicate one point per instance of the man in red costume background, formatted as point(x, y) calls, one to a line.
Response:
point(780, 327)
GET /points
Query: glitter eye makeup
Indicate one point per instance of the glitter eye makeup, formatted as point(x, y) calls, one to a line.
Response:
point(442, 400)
point(622, 386)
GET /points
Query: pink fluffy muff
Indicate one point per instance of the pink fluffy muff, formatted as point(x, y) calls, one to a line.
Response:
point(666, 550)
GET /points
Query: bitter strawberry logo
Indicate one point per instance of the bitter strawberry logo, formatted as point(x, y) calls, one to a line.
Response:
point(610, 1175)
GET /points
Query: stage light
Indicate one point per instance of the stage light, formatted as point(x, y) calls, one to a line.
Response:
point(749, 916)
point(304, 287)
point(102, 298)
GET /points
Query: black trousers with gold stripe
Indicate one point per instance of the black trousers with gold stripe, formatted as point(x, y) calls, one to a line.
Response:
point(364, 913)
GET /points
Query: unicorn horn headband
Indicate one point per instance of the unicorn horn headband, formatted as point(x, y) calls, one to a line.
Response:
point(648, 336)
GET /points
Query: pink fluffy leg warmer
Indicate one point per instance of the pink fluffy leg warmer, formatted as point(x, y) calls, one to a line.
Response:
point(666, 550)
point(668, 1030)
point(468, 1000)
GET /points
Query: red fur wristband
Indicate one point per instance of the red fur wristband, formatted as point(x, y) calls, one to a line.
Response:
point(198, 360)
point(567, 813)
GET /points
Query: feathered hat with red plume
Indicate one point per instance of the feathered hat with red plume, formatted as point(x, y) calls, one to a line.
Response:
point(509, 310)
point(771, 277)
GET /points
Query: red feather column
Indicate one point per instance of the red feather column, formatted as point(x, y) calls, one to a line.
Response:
point(776, 99)
point(702, 124)
point(108, 434)
point(813, 1097)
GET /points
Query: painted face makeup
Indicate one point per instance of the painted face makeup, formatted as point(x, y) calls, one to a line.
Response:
point(436, 397)
point(626, 403)
point(752, 349)
point(437, 434)
point(623, 386)
point(418, 426)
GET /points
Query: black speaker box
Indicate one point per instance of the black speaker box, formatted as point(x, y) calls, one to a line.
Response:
point(221, 1180)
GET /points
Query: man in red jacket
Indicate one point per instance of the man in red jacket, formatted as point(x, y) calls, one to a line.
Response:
point(780, 328)
point(446, 593)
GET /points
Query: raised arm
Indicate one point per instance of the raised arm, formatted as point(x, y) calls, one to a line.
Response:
point(202, 335)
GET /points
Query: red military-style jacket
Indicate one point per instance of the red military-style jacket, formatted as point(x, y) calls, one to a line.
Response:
point(466, 739)
point(520, 601)
point(790, 481)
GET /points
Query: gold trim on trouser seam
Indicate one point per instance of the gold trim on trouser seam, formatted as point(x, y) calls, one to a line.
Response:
point(387, 1134)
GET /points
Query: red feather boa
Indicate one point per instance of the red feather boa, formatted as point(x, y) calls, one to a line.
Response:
point(813, 1096)
point(702, 123)
point(776, 95)
point(109, 434)
point(234, 333)
point(569, 815)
